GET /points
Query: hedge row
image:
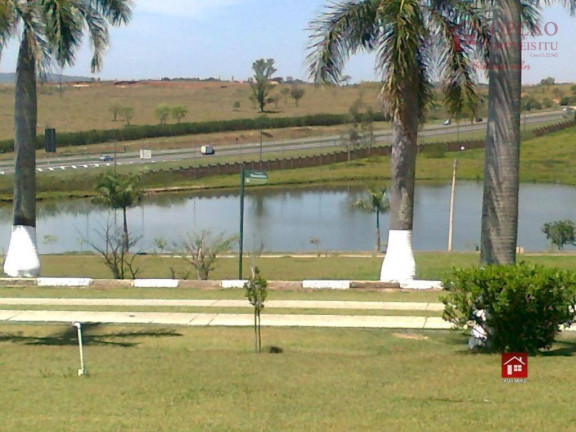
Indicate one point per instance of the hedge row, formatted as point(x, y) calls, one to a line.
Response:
point(137, 132)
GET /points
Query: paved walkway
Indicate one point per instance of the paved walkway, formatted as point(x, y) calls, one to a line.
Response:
point(224, 319)
point(221, 319)
point(270, 304)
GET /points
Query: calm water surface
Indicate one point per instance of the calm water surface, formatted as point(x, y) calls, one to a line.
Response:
point(286, 219)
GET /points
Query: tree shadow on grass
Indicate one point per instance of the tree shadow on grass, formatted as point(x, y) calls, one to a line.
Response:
point(90, 337)
point(561, 349)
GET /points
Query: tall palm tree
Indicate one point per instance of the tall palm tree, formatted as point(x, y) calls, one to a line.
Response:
point(51, 30)
point(406, 35)
point(376, 201)
point(118, 192)
point(502, 155)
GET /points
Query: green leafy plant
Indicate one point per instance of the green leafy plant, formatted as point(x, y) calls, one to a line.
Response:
point(375, 201)
point(179, 112)
point(519, 308)
point(126, 113)
point(260, 82)
point(162, 113)
point(118, 191)
point(297, 93)
point(560, 233)
point(256, 291)
point(115, 110)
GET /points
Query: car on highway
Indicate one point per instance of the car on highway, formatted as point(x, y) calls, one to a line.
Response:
point(207, 150)
point(447, 122)
point(105, 158)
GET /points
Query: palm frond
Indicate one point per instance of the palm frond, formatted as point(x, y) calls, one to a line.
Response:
point(374, 199)
point(454, 29)
point(98, 31)
point(63, 27)
point(30, 16)
point(530, 15)
point(343, 29)
point(401, 52)
point(117, 12)
point(8, 23)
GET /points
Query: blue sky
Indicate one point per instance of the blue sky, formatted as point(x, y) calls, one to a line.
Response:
point(221, 38)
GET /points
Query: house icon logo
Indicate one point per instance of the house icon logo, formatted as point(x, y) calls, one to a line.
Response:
point(515, 365)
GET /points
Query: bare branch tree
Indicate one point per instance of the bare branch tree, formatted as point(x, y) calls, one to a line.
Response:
point(202, 250)
point(115, 251)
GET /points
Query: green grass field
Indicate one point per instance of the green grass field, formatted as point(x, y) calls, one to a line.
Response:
point(197, 379)
point(429, 265)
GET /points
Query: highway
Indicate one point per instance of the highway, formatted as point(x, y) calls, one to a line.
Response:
point(56, 163)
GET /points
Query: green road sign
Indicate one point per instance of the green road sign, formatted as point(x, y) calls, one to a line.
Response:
point(255, 177)
point(251, 177)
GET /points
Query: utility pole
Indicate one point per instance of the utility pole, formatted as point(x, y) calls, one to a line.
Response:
point(241, 240)
point(451, 218)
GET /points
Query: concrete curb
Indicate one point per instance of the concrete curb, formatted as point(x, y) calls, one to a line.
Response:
point(223, 284)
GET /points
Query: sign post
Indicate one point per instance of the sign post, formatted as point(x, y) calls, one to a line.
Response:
point(250, 177)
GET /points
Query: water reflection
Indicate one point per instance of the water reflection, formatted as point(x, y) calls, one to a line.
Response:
point(285, 219)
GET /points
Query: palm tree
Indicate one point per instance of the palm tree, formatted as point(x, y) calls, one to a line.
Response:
point(51, 30)
point(406, 35)
point(502, 154)
point(377, 202)
point(118, 192)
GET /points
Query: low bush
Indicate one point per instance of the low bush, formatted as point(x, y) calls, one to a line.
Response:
point(518, 308)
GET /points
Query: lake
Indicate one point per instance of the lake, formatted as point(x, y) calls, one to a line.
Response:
point(286, 219)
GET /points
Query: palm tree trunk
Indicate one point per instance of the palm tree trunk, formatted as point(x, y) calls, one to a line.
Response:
point(22, 257)
point(399, 261)
point(502, 154)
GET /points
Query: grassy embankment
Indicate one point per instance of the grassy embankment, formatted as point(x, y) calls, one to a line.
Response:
point(547, 159)
point(175, 379)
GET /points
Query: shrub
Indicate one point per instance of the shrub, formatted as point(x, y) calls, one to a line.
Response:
point(519, 308)
point(434, 151)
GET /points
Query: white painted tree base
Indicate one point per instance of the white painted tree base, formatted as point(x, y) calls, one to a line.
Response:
point(399, 264)
point(22, 258)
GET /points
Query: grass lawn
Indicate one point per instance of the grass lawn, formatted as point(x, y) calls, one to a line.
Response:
point(197, 379)
point(429, 265)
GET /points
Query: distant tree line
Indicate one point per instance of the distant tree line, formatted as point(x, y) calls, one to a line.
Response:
point(136, 132)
